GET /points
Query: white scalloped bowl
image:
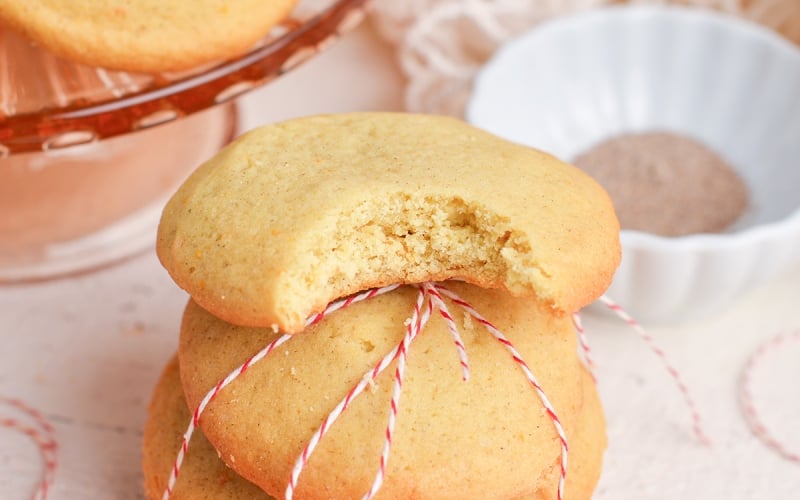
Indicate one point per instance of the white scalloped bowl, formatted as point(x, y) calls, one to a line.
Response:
point(574, 81)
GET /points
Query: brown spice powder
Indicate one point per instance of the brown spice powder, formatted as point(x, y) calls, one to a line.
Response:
point(666, 184)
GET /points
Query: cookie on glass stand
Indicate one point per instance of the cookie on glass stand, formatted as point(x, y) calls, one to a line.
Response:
point(149, 36)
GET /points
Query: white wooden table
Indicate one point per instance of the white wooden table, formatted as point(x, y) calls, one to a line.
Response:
point(87, 350)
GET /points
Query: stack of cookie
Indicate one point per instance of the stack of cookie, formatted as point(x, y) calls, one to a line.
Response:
point(489, 240)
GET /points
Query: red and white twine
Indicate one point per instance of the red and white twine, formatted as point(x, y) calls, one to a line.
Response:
point(437, 301)
point(241, 369)
point(428, 298)
point(417, 322)
point(43, 434)
point(583, 342)
point(497, 334)
point(751, 413)
point(591, 366)
point(697, 424)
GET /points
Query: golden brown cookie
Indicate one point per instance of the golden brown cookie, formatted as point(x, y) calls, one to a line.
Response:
point(485, 438)
point(587, 444)
point(169, 417)
point(203, 475)
point(292, 216)
point(145, 35)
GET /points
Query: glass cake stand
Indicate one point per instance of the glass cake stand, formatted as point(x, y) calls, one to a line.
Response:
point(88, 156)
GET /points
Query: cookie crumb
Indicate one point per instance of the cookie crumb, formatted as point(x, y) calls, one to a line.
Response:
point(468, 324)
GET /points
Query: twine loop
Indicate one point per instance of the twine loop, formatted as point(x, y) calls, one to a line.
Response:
point(429, 299)
point(753, 416)
point(42, 433)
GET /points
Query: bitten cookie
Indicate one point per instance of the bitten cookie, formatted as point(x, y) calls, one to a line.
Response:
point(203, 475)
point(145, 35)
point(292, 216)
point(488, 437)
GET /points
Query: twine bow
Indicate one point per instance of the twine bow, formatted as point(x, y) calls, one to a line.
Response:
point(430, 299)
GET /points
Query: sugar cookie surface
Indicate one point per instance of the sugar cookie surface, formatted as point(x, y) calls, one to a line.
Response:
point(294, 215)
point(485, 438)
point(145, 35)
point(205, 476)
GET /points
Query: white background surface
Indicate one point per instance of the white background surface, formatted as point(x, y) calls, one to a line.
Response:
point(87, 351)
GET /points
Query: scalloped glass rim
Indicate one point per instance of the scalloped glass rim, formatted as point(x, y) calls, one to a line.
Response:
point(78, 251)
point(164, 101)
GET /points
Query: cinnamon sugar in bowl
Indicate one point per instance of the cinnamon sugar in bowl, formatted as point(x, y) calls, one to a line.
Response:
point(574, 82)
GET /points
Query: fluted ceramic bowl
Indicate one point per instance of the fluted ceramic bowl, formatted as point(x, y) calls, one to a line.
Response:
point(574, 81)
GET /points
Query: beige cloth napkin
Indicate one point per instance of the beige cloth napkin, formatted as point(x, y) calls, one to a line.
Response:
point(441, 44)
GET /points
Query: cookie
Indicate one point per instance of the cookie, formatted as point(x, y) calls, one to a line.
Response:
point(203, 475)
point(587, 444)
point(145, 35)
point(487, 437)
point(168, 417)
point(292, 216)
